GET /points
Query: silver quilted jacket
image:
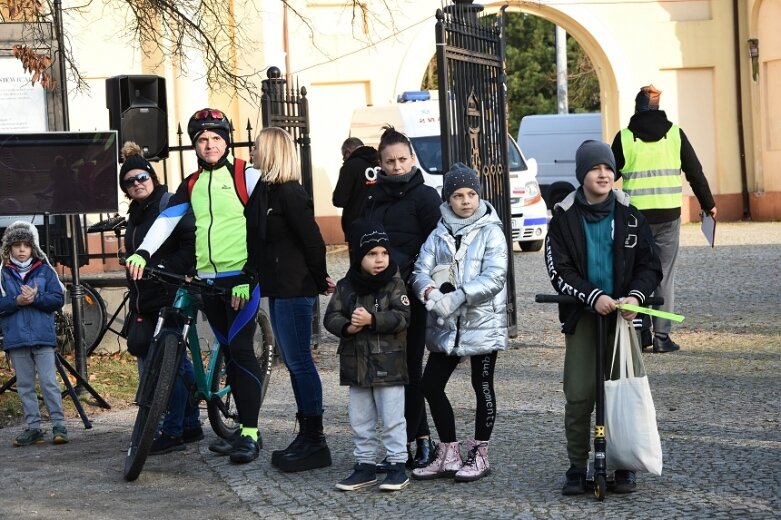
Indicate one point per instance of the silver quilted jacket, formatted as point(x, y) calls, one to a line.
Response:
point(480, 325)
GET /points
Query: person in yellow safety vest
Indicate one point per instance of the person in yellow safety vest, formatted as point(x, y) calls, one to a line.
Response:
point(650, 155)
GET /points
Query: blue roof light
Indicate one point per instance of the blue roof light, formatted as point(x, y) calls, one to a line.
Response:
point(414, 95)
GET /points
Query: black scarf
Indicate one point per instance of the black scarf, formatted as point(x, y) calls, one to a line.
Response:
point(364, 283)
point(594, 212)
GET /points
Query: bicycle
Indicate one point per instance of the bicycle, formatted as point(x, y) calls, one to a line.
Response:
point(176, 332)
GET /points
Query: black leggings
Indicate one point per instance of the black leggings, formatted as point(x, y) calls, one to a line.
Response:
point(438, 370)
point(414, 405)
point(242, 368)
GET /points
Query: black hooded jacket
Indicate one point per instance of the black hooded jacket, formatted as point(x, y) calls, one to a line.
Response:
point(351, 188)
point(651, 126)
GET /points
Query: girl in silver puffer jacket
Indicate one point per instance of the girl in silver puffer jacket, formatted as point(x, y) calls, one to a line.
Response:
point(461, 276)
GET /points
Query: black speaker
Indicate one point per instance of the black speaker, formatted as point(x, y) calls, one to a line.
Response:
point(137, 111)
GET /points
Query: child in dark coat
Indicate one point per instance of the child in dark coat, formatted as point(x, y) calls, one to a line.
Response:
point(370, 313)
point(30, 294)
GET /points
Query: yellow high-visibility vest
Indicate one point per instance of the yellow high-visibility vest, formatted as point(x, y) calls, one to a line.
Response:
point(652, 171)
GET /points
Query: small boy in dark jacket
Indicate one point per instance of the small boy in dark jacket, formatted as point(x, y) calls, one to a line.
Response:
point(600, 250)
point(30, 294)
point(370, 313)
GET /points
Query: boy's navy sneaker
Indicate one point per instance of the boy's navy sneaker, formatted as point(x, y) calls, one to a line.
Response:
point(165, 443)
point(576, 481)
point(60, 435)
point(192, 434)
point(29, 436)
point(626, 481)
point(363, 475)
point(396, 478)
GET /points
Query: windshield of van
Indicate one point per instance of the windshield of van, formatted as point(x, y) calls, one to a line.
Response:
point(429, 154)
point(514, 158)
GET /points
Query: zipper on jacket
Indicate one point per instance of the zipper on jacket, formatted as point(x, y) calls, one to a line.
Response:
point(211, 223)
point(376, 310)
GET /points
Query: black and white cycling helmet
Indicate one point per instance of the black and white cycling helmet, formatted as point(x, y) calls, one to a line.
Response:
point(208, 119)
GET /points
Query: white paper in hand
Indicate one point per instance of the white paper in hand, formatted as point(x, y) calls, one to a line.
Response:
point(708, 228)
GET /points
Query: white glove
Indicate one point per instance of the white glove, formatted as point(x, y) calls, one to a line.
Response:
point(449, 303)
point(433, 297)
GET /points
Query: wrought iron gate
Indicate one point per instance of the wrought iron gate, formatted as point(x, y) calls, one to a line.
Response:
point(473, 109)
point(287, 107)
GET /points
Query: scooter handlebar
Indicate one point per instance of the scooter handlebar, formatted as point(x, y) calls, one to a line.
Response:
point(565, 298)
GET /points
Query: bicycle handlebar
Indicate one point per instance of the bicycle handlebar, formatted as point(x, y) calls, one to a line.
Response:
point(153, 273)
point(565, 298)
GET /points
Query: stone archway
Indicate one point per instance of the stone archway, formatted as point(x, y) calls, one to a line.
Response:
point(603, 52)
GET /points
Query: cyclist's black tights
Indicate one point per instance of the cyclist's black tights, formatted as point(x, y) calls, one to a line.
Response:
point(242, 367)
point(438, 370)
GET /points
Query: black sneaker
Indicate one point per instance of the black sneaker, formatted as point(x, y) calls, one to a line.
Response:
point(665, 344)
point(363, 475)
point(576, 481)
point(165, 443)
point(646, 339)
point(396, 479)
point(245, 450)
point(224, 446)
point(626, 481)
point(192, 434)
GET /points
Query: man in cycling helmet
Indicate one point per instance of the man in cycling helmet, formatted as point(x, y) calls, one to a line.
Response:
point(217, 193)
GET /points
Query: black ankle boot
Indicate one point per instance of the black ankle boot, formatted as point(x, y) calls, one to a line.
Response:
point(425, 453)
point(277, 455)
point(312, 452)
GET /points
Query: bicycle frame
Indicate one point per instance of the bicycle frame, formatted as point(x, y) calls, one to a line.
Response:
point(186, 306)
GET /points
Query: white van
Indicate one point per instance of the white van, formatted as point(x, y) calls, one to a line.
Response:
point(552, 140)
point(419, 120)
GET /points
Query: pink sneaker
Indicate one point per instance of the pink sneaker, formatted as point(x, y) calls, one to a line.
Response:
point(476, 465)
point(445, 464)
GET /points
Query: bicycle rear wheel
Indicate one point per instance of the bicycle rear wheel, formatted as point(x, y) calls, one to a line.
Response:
point(223, 416)
point(93, 314)
point(154, 389)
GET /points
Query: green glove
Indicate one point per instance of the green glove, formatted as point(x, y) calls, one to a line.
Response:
point(240, 291)
point(136, 260)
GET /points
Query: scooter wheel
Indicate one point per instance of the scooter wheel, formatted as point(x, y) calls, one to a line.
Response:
point(600, 487)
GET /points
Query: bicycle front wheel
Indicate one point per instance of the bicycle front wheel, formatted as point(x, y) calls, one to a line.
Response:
point(223, 416)
point(154, 389)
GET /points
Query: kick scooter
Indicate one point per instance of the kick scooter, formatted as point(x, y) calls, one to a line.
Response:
point(600, 443)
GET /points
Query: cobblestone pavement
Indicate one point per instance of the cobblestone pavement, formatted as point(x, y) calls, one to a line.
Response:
point(716, 400)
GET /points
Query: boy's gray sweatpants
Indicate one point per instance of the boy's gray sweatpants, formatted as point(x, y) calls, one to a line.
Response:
point(366, 406)
point(26, 362)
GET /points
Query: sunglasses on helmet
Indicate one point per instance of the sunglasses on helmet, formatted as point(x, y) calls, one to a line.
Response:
point(208, 113)
point(140, 178)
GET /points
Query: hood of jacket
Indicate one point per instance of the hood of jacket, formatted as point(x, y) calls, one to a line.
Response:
point(364, 153)
point(649, 126)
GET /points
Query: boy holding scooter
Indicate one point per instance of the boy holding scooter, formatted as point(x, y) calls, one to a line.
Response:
point(600, 250)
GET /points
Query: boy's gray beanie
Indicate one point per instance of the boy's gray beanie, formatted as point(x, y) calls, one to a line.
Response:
point(591, 153)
